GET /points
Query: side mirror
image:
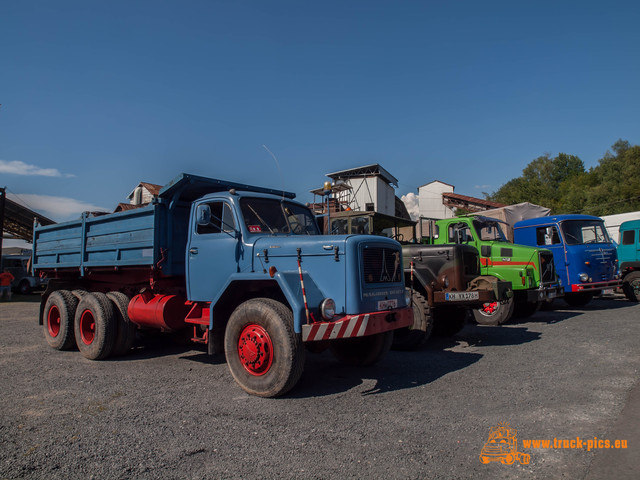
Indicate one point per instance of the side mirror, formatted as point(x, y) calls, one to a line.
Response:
point(203, 214)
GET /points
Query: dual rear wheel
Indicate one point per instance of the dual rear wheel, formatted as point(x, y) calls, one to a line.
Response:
point(96, 323)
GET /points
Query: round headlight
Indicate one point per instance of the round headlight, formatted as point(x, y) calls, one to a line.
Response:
point(328, 309)
point(583, 277)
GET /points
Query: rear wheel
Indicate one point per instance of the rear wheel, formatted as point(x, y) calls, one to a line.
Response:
point(95, 326)
point(59, 312)
point(579, 299)
point(264, 354)
point(362, 351)
point(494, 313)
point(448, 320)
point(416, 335)
point(631, 286)
point(126, 331)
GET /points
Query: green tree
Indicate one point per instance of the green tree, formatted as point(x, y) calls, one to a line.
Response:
point(562, 184)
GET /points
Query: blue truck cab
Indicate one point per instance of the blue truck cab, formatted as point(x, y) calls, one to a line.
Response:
point(629, 257)
point(244, 268)
point(584, 255)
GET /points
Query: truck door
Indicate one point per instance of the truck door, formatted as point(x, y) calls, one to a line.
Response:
point(548, 237)
point(629, 248)
point(213, 252)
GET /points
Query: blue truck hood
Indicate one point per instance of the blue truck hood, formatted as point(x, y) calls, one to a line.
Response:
point(332, 268)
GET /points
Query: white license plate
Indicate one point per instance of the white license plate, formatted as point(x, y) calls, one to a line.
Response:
point(551, 295)
point(387, 304)
point(461, 296)
point(607, 291)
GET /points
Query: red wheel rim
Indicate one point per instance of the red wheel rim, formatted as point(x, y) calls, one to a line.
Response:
point(255, 350)
point(87, 327)
point(53, 321)
point(489, 308)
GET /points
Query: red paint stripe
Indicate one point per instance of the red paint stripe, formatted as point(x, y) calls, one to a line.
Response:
point(328, 332)
point(313, 331)
point(488, 263)
point(343, 328)
point(358, 324)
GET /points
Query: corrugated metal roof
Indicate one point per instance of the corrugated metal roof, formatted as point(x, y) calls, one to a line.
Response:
point(366, 170)
point(473, 200)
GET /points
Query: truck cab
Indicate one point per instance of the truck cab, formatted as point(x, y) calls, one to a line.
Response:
point(629, 257)
point(530, 270)
point(585, 257)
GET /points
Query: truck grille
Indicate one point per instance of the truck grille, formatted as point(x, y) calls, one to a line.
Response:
point(382, 265)
point(547, 267)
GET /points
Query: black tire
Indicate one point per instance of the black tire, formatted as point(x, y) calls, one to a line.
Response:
point(266, 357)
point(415, 336)
point(24, 287)
point(362, 351)
point(447, 321)
point(59, 312)
point(578, 299)
point(495, 313)
point(95, 326)
point(631, 286)
point(125, 331)
point(526, 309)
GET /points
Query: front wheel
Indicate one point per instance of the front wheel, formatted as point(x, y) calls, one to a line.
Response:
point(631, 286)
point(579, 299)
point(494, 313)
point(264, 354)
point(362, 351)
point(526, 309)
point(416, 335)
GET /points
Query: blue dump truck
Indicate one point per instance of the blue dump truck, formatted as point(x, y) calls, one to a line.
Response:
point(244, 269)
point(629, 257)
point(585, 258)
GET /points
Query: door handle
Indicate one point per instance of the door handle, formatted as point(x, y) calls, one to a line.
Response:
point(193, 251)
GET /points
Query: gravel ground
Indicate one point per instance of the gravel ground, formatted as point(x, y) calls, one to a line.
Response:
point(167, 411)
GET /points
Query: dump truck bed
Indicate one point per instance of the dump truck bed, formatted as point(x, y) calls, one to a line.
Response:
point(154, 236)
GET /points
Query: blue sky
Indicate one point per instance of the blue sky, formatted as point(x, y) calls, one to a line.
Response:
point(99, 95)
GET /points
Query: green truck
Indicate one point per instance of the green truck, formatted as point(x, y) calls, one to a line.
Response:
point(530, 270)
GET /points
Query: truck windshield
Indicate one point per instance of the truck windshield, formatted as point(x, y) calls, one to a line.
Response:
point(578, 232)
point(266, 215)
point(489, 230)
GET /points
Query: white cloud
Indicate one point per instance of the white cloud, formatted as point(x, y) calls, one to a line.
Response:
point(20, 168)
point(56, 208)
point(411, 202)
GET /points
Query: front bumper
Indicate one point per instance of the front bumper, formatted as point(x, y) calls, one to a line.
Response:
point(495, 291)
point(544, 293)
point(590, 287)
point(362, 325)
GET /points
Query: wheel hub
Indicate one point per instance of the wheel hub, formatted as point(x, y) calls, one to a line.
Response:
point(87, 327)
point(489, 308)
point(53, 321)
point(255, 350)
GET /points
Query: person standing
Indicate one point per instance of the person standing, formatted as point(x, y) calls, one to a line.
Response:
point(5, 284)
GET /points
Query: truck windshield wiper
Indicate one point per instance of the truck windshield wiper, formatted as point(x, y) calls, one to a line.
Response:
point(260, 218)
